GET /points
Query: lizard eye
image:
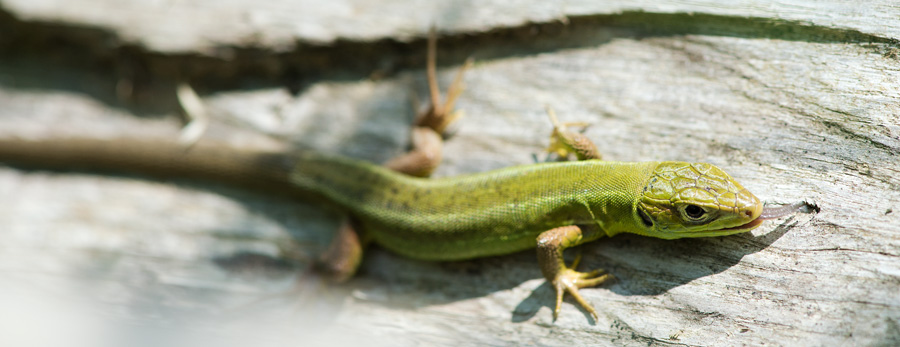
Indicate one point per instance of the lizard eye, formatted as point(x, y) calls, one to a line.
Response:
point(694, 211)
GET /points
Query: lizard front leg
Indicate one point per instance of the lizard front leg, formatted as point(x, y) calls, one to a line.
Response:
point(551, 243)
point(564, 142)
point(550, 247)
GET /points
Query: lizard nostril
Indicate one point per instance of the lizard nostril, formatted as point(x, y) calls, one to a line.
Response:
point(748, 213)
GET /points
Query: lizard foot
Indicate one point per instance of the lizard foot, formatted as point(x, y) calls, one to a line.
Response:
point(439, 114)
point(569, 280)
point(564, 142)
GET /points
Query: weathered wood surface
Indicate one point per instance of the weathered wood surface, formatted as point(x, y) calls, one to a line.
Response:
point(208, 25)
point(794, 110)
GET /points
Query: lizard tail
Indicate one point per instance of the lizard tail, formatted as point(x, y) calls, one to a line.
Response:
point(255, 169)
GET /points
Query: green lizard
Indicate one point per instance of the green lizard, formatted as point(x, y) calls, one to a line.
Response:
point(548, 206)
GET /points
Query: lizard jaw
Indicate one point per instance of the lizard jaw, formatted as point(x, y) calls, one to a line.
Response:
point(744, 227)
point(773, 212)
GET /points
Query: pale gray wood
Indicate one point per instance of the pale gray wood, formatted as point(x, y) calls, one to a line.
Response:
point(205, 26)
point(105, 259)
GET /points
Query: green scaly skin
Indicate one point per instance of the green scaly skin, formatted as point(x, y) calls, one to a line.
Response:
point(550, 206)
point(504, 211)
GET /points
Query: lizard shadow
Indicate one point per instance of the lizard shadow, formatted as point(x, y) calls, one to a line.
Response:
point(645, 266)
point(642, 266)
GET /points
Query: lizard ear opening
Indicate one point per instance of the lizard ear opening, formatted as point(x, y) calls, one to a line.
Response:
point(645, 218)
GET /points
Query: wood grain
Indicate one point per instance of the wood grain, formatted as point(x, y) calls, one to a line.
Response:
point(796, 110)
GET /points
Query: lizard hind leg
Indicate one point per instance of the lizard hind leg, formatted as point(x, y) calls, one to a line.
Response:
point(343, 256)
point(564, 279)
point(429, 126)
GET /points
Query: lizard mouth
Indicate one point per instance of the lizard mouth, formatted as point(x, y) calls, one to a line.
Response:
point(773, 212)
point(746, 226)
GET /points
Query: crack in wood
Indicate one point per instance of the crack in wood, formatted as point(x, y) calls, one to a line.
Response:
point(97, 48)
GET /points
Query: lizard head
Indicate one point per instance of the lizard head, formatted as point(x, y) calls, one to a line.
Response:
point(695, 200)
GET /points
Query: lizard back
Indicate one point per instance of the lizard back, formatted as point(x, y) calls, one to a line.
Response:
point(468, 216)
